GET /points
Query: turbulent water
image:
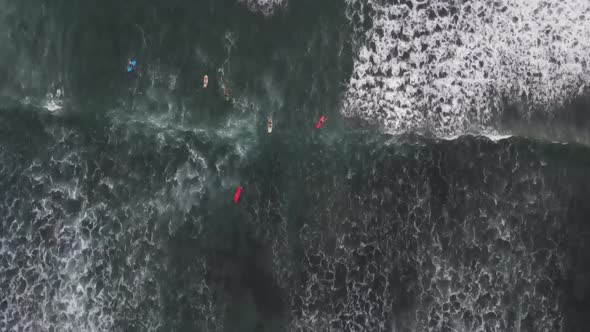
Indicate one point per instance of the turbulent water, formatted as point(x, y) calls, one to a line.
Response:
point(447, 190)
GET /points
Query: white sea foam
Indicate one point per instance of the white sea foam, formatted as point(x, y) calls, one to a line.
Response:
point(266, 7)
point(54, 101)
point(69, 259)
point(493, 136)
point(447, 65)
point(482, 269)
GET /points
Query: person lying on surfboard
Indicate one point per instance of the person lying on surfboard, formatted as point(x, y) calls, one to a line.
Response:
point(205, 81)
point(237, 194)
point(269, 125)
point(131, 65)
point(320, 122)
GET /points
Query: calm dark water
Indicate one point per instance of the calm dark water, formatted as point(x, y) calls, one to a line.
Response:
point(116, 211)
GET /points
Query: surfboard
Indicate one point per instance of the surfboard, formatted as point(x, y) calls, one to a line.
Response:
point(320, 122)
point(269, 125)
point(237, 194)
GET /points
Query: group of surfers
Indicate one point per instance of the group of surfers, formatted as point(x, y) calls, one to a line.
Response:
point(226, 94)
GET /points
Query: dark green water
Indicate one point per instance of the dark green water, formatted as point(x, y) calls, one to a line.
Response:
point(117, 211)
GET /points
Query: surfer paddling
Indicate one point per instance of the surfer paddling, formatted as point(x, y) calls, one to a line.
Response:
point(320, 122)
point(205, 81)
point(131, 65)
point(269, 125)
point(237, 194)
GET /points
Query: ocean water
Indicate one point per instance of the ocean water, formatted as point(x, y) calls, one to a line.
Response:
point(447, 191)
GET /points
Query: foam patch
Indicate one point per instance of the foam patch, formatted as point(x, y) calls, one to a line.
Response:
point(266, 7)
point(446, 66)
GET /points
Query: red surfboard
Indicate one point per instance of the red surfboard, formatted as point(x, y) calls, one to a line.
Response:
point(320, 122)
point(237, 194)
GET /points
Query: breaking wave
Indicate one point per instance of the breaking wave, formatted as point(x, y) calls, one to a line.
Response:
point(447, 66)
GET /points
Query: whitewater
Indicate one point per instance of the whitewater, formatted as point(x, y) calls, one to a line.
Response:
point(446, 190)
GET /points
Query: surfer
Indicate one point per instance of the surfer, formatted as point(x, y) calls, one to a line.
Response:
point(205, 81)
point(237, 194)
point(320, 122)
point(131, 65)
point(269, 124)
